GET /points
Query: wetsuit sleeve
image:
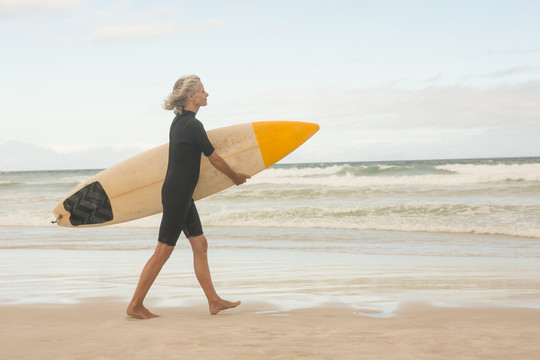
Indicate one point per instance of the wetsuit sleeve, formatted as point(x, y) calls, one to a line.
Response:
point(201, 138)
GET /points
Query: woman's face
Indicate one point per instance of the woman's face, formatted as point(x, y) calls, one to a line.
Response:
point(199, 98)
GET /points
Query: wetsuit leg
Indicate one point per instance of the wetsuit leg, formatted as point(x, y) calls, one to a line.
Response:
point(173, 221)
point(193, 226)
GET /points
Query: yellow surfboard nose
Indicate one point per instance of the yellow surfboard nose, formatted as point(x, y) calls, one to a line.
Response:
point(279, 138)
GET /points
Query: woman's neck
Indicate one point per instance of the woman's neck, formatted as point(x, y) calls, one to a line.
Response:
point(192, 108)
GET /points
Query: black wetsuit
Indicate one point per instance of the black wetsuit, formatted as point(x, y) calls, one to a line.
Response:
point(187, 140)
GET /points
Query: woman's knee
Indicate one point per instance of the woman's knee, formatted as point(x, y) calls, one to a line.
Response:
point(163, 252)
point(199, 244)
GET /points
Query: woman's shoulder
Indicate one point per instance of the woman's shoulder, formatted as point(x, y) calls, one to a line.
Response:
point(193, 121)
point(188, 124)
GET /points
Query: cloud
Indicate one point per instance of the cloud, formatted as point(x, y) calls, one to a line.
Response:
point(399, 108)
point(25, 6)
point(390, 123)
point(147, 31)
point(518, 70)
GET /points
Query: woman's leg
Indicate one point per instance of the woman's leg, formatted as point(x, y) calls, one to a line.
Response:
point(199, 245)
point(148, 275)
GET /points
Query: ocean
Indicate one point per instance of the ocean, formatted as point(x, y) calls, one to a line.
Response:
point(368, 234)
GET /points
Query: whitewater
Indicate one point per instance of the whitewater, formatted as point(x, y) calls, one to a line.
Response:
point(477, 196)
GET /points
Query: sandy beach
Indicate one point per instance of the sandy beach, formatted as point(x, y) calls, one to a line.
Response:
point(97, 329)
point(406, 260)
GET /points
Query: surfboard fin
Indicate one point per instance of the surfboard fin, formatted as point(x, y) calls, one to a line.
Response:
point(58, 218)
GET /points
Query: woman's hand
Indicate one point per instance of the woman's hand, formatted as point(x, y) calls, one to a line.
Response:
point(219, 163)
point(240, 179)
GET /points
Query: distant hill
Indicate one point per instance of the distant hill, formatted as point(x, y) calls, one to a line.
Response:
point(19, 156)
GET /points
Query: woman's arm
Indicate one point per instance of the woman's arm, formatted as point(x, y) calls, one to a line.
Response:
point(219, 163)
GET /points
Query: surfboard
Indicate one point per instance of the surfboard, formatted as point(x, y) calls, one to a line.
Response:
point(131, 189)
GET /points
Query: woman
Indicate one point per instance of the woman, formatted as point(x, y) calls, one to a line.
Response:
point(188, 140)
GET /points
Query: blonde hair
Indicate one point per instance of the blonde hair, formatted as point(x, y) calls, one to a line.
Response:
point(176, 101)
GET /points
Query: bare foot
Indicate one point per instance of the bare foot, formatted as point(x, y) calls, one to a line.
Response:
point(221, 304)
point(140, 312)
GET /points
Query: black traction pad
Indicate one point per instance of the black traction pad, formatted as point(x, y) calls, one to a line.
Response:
point(90, 205)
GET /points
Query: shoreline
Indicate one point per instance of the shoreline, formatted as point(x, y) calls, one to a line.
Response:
point(98, 328)
point(288, 267)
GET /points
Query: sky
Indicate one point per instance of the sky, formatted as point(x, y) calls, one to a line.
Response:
point(82, 81)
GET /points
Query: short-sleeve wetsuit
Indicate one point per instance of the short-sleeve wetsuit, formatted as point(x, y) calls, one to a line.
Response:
point(187, 140)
